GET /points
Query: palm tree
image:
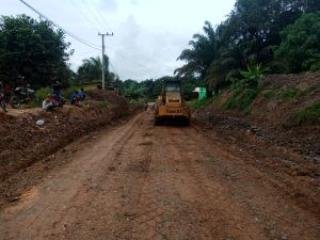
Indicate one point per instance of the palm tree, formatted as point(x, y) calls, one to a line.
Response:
point(199, 57)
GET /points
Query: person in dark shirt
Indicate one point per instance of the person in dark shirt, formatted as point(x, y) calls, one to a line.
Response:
point(75, 98)
point(82, 95)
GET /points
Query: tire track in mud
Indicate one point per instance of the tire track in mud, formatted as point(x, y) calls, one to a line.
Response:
point(172, 202)
point(152, 183)
point(107, 196)
point(70, 195)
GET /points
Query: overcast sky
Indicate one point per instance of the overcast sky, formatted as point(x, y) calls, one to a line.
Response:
point(149, 34)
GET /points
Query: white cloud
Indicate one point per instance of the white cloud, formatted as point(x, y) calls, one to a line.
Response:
point(149, 34)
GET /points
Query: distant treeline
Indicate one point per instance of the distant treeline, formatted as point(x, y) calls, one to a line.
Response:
point(151, 89)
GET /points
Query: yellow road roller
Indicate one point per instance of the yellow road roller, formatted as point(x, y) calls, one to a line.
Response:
point(170, 105)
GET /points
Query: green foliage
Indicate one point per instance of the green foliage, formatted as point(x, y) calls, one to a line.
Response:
point(252, 76)
point(245, 90)
point(268, 94)
point(201, 54)
point(132, 89)
point(40, 95)
point(310, 114)
point(150, 89)
point(90, 71)
point(300, 47)
point(198, 104)
point(251, 33)
point(34, 50)
point(67, 92)
point(241, 100)
point(289, 94)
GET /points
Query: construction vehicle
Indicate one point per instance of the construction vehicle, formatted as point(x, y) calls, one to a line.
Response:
point(170, 105)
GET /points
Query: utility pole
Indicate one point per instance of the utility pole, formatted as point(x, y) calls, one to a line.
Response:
point(103, 35)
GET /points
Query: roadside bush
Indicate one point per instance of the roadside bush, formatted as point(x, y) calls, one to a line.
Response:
point(198, 104)
point(310, 114)
point(40, 94)
point(289, 94)
point(251, 76)
point(244, 91)
point(241, 100)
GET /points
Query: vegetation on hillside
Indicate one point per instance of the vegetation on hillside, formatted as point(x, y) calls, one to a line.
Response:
point(280, 36)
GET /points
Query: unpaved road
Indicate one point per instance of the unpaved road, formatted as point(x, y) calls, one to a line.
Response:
point(138, 181)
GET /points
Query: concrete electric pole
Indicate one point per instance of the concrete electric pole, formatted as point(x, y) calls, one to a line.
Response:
point(102, 59)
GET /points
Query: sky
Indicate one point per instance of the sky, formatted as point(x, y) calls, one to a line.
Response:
point(149, 35)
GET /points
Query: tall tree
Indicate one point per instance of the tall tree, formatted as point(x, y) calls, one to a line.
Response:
point(247, 37)
point(199, 57)
point(32, 49)
point(300, 48)
point(90, 70)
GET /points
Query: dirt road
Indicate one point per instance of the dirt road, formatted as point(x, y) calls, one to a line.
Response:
point(137, 181)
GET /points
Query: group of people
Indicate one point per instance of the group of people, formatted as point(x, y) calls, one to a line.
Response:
point(77, 97)
point(21, 92)
point(56, 99)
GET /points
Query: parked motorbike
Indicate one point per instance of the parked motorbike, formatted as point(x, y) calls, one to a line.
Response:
point(21, 96)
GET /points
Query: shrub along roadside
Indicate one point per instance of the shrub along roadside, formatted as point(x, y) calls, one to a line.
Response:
point(198, 104)
point(245, 90)
point(310, 114)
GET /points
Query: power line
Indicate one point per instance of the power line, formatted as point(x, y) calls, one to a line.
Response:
point(92, 13)
point(101, 20)
point(84, 16)
point(58, 26)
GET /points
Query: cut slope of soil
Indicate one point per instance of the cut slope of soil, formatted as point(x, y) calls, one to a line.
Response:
point(281, 113)
point(24, 142)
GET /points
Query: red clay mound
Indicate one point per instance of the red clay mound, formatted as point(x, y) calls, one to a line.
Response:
point(24, 142)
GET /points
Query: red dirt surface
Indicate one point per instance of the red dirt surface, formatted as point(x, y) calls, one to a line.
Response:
point(138, 181)
point(23, 142)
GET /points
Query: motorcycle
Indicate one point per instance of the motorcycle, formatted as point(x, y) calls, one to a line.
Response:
point(21, 96)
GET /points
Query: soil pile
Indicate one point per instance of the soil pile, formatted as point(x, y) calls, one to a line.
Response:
point(285, 114)
point(24, 142)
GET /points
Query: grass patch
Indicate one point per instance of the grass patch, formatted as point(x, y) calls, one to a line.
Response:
point(241, 100)
point(198, 104)
point(269, 94)
point(310, 114)
point(289, 94)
